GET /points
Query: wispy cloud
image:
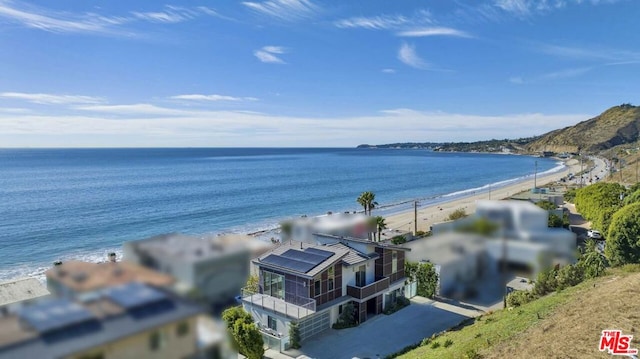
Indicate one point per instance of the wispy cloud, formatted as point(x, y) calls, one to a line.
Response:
point(526, 8)
point(518, 80)
point(566, 73)
point(594, 53)
point(66, 22)
point(284, 10)
point(381, 22)
point(433, 31)
point(212, 98)
point(51, 99)
point(268, 54)
point(389, 71)
point(407, 54)
point(517, 7)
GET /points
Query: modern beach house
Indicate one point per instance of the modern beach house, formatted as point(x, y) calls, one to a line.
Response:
point(310, 284)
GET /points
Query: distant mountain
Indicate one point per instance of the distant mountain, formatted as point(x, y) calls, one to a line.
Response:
point(616, 126)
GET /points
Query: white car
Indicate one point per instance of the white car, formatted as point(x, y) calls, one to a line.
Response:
point(593, 234)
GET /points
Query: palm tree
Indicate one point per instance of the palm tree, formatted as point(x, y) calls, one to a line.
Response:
point(380, 224)
point(368, 201)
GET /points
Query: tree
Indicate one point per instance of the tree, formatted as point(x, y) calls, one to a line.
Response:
point(380, 225)
point(252, 284)
point(286, 228)
point(426, 276)
point(623, 239)
point(294, 335)
point(593, 264)
point(633, 197)
point(246, 337)
point(480, 226)
point(598, 202)
point(546, 282)
point(368, 201)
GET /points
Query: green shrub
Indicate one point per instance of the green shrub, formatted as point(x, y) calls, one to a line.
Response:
point(472, 354)
point(570, 275)
point(435, 345)
point(457, 214)
point(544, 204)
point(448, 343)
point(399, 239)
point(555, 221)
point(623, 238)
point(294, 335)
point(347, 318)
point(519, 297)
point(426, 276)
point(546, 282)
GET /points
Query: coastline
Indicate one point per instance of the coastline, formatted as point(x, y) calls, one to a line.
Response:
point(439, 212)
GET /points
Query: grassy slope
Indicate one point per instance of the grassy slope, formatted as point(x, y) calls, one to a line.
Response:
point(569, 326)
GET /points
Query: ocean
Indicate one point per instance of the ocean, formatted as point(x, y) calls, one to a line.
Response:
point(58, 204)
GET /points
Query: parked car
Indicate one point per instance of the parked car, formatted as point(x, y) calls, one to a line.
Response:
point(593, 234)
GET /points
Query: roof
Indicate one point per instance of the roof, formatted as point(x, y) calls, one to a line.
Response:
point(363, 241)
point(445, 248)
point(353, 257)
point(182, 247)
point(84, 276)
point(21, 289)
point(109, 322)
point(299, 250)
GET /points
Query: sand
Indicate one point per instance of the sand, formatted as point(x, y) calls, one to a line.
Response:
point(427, 216)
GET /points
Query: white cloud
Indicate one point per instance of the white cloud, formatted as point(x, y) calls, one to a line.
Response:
point(51, 99)
point(47, 20)
point(213, 98)
point(594, 53)
point(517, 7)
point(66, 22)
point(407, 54)
point(566, 73)
point(285, 10)
point(268, 54)
point(373, 23)
point(516, 80)
point(151, 125)
point(433, 31)
point(389, 71)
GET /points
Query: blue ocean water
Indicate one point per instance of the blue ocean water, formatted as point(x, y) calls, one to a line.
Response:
point(81, 203)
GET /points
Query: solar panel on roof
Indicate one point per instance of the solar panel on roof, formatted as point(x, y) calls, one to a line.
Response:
point(55, 314)
point(303, 256)
point(320, 252)
point(292, 264)
point(134, 295)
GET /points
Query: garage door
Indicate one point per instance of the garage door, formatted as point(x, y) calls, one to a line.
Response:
point(314, 325)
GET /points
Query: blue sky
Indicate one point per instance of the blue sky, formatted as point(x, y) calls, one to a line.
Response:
point(308, 73)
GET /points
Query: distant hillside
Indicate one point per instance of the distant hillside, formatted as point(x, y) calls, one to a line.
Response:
point(493, 145)
point(616, 126)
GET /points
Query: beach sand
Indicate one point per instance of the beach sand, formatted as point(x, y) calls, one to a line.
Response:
point(427, 216)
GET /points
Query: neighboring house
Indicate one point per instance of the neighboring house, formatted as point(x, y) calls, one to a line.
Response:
point(460, 260)
point(127, 321)
point(18, 292)
point(212, 268)
point(337, 224)
point(310, 283)
point(77, 279)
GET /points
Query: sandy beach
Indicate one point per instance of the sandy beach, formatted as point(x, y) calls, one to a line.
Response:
point(439, 213)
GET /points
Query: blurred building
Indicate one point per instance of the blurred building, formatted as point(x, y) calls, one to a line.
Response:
point(77, 279)
point(311, 283)
point(18, 292)
point(214, 268)
point(337, 224)
point(126, 321)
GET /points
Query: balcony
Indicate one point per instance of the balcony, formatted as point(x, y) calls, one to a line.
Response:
point(304, 308)
point(379, 285)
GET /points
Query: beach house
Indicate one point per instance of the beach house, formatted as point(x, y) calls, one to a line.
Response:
point(211, 268)
point(16, 293)
point(311, 284)
point(126, 321)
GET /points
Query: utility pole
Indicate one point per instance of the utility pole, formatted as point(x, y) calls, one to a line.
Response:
point(415, 218)
point(535, 175)
point(581, 170)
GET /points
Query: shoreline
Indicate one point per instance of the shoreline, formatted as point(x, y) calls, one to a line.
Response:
point(439, 212)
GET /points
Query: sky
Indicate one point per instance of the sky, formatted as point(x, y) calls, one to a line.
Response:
point(308, 73)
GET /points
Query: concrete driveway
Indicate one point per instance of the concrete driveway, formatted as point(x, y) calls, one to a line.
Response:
point(387, 334)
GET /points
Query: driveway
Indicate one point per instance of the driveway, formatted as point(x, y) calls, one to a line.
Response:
point(387, 334)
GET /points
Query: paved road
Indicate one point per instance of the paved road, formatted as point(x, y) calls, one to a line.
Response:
point(386, 334)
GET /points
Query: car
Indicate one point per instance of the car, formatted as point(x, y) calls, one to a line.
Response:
point(593, 234)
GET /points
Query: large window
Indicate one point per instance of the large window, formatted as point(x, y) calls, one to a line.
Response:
point(330, 280)
point(273, 284)
point(394, 261)
point(361, 276)
point(156, 341)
